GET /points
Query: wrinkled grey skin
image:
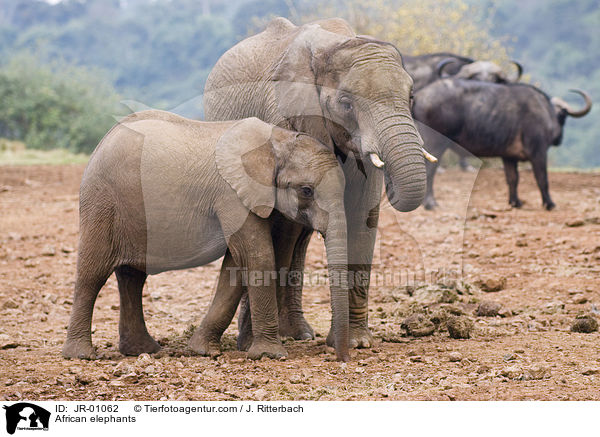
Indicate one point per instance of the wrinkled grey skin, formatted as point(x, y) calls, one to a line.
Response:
point(517, 122)
point(352, 94)
point(162, 193)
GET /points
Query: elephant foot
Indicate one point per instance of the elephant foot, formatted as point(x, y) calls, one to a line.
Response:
point(137, 345)
point(81, 349)
point(549, 205)
point(262, 348)
point(360, 337)
point(296, 328)
point(204, 344)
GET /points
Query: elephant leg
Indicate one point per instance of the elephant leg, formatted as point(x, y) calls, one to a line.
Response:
point(290, 242)
point(252, 247)
point(362, 215)
point(207, 337)
point(291, 316)
point(360, 335)
point(134, 338)
point(91, 276)
point(245, 338)
point(511, 172)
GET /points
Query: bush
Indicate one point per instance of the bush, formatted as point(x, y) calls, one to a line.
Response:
point(55, 105)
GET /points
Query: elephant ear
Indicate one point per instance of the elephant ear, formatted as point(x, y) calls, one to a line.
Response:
point(295, 83)
point(245, 159)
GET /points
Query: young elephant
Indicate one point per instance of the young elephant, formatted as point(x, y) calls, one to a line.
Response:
point(162, 192)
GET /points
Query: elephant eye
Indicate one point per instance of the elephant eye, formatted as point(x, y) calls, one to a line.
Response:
point(307, 191)
point(346, 104)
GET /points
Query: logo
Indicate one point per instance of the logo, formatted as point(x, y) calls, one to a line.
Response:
point(26, 416)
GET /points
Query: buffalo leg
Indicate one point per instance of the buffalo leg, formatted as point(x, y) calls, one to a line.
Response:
point(511, 172)
point(540, 170)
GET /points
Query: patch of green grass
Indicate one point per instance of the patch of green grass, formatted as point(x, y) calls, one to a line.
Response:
point(39, 157)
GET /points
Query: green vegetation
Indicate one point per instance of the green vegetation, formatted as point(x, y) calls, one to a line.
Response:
point(54, 105)
point(557, 41)
point(36, 157)
point(64, 65)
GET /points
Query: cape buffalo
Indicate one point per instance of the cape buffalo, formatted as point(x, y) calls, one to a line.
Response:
point(425, 69)
point(517, 122)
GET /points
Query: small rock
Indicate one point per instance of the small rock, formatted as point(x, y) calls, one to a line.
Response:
point(360, 370)
point(574, 223)
point(151, 369)
point(116, 383)
point(483, 369)
point(9, 304)
point(418, 325)
point(459, 327)
point(580, 299)
point(493, 283)
point(130, 378)
point(521, 243)
point(554, 307)
point(488, 309)
point(9, 345)
point(67, 249)
point(455, 356)
point(14, 236)
point(297, 379)
point(123, 368)
point(591, 371)
point(585, 324)
point(416, 359)
point(49, 251)
point(30, 263)
point(512, 372)
point(260, 394)
point(144, 360)
point(505, 312)
point(509, 357)
point(489, 214)
point(536, 372)
point(83, 379)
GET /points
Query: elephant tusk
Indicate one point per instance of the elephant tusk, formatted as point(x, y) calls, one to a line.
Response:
point(376, 160)
point(428, 156)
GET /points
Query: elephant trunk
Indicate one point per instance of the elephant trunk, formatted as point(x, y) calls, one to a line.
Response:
point(336, 244)
point(402, 152)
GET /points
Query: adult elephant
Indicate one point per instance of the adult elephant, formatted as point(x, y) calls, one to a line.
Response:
point(352, 94)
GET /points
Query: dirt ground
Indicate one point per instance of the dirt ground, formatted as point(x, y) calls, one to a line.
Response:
point(544, 265)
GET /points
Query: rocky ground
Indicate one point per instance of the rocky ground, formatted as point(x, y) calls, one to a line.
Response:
point(473, 301)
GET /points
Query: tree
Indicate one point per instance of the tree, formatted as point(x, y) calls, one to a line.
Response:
point(54, 105)
point(418, 26)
